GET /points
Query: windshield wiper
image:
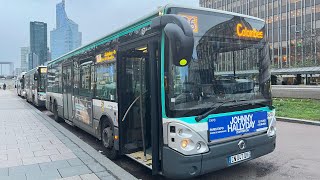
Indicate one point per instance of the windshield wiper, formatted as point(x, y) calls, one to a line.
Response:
point(212, 109)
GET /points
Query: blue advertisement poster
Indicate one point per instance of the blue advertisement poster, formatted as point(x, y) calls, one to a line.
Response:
point(239, 124)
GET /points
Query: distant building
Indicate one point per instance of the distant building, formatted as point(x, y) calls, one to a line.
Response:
point(38, 44)
point(33, 60)
point(24, 58)
point(18, 71)
point(66, 36)
point(293, 31)
point(49, 56)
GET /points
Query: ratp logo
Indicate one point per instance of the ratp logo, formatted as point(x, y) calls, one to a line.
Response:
point(212, 120)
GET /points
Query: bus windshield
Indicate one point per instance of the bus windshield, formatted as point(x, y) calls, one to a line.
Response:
point(42, 80)
point(230, 63)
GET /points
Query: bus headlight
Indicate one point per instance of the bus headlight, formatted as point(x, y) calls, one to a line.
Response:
point(272, 130)
point(185, 140)
point(184, 143)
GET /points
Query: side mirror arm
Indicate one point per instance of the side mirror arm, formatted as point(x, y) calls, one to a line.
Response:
point(162, 21)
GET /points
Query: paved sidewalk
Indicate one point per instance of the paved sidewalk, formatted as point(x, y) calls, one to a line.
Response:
point(33, 146)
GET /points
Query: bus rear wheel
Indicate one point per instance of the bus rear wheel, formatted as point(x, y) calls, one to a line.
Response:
point(107, 135)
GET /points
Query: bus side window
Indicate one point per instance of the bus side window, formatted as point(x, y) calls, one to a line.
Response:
point(106, 81)
point(76, 78)
point(85, 78)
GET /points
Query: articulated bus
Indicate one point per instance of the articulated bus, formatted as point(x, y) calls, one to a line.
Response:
point(20, 85)
point(35, 86)
point(184, 91)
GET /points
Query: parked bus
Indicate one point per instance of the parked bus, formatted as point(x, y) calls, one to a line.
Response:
point(20, 85)
point(35, 86)
point(184, 91)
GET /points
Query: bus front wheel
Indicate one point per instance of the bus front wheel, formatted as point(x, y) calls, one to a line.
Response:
point(107, 135)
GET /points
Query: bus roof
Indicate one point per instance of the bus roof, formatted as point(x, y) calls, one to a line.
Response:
point(212, 10)
point(138, 23)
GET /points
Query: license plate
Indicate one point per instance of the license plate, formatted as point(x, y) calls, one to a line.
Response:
point(239, 157)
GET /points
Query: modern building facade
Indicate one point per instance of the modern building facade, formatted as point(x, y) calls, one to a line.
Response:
point(33, 60)
point(38, 44)
point(24, 58)
point(293, 29)
point(66, 36)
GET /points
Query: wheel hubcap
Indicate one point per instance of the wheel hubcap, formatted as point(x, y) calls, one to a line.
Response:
point(107, 137)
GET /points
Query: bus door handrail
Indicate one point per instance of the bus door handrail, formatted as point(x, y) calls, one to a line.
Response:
point(129, 108)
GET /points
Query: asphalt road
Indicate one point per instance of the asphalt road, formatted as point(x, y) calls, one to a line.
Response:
point(297, 156)
point(312, 92)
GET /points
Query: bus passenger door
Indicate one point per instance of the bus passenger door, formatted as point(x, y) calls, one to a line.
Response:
point(134, 101)
point(66, 89)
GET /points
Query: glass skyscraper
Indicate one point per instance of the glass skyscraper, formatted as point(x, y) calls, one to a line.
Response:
point(24, 58)
point(293, 29)
point(38, 44)
point(66, 36)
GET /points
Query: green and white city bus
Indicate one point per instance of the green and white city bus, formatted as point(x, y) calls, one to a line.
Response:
point(35, 86)
point(184, 91)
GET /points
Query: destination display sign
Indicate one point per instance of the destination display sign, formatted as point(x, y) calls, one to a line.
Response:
point(107, 56)
point(192, 20)
point(228, 126)
point(43, 70)
point(243, 31)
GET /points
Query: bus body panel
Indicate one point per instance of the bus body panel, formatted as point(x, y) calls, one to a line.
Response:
point(83, 114)
point(186, 166)
point(105, 108)
point(54, 97)
point(216, 159)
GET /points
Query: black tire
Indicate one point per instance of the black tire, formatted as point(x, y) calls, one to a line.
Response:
point(55, 113)
point(107, 134)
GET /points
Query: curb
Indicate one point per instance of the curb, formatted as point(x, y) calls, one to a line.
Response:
point(113, 168)
point(298, 121)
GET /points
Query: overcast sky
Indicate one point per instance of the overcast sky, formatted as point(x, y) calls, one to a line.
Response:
point(96, 18)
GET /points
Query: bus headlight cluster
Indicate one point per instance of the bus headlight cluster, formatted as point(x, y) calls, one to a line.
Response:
point(272, 130)
point(184, 140)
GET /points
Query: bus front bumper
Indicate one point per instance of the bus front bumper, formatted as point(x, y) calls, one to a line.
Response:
point(41, 103)
point(179, 166)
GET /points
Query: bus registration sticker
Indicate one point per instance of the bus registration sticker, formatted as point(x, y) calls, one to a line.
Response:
point(235, 125)
point(192, 20)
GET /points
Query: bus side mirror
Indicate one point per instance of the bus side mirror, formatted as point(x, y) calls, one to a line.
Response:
point(181, 46)
point(35, 77)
